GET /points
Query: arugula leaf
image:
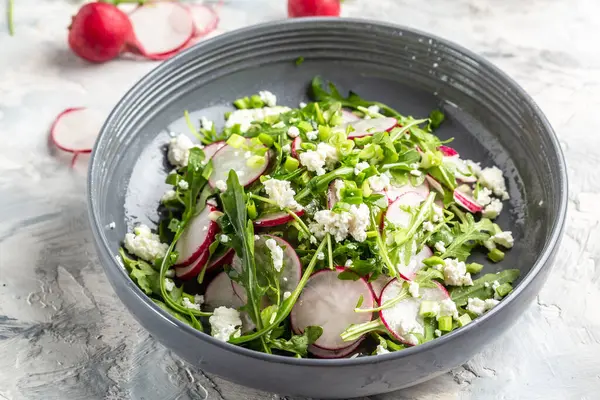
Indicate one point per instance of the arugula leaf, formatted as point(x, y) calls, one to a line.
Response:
point(436, 117)
point(467, 235)
point(461, 294)
point(179, 316)
point(298, 344)
point(142, 273)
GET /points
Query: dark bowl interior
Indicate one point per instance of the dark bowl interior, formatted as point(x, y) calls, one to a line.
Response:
point(492, 120)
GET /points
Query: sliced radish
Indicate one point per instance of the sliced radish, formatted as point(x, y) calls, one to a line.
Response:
point(322, 353)
point(332, 196)
point(223, 259)
point(459, 168)
point(229, 158)
point(409, 271)
point(162, 27)
point(378, 284)
point(396, 215)
point(275, 219)
point(349, 116)
point(367, 127)
point(205, 19)
point(295, 147)
point(220, 293)
point(403, 317)
point(467, 202)
point(196, 238)
point(291, 272)
point(211, 149)
point(448, 151)
point(192, 270)
point(75, 130)
point(434, 184)
point(393, 192)
point(329, 302)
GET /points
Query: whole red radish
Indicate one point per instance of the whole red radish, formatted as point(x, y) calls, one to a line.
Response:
point(313, 8)
point(100, 32)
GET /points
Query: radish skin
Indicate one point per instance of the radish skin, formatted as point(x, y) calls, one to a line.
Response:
point(196, 239)
point(467, 202)
point(228, 158)
point(276, 219)
point(313, 8)
point(393, 193)
point(329, 354)
point(75, 130)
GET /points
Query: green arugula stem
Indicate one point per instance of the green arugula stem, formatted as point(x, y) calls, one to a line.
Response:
point(407, 127)
point(330, 252)
point(287, 210)
point(320, 182)
point(403, 295)
point(356, 331)
point(10, 17)
point(383, 252)
point(418, 219)
point(288, 304)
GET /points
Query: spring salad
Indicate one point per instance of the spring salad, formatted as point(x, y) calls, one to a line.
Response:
point(334, 229)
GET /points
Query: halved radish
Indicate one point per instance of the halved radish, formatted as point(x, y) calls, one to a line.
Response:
point(295, 147)
point(329, 302)
point(291, 272)
point(448, 151)
point(323, 353)
point(229, 158)
point(75, 130)
point(393, 192)
point(367, 127)
point(220, 293)
point(403, 319)
point(434, 184)
point(196, 238)
point(205, 19)
point(211, 149)
point(459, 168)
point(396, 215)
point(275, 219)
point(416, 263)
point(467, 202)
point(162, 27)
point(349, 116)
point(221, 259)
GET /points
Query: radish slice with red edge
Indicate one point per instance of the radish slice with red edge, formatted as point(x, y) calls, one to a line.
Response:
point(448, 151)
point(229, 158)
point(211, 149)
point(329, 302)
point(394, 192)
point(396, 215)
point(378, 284)
point(415, 264)
point(196, 238)
point(291, 272)
point(367, 127)
point(459, 168)
point(349, 116)
point(405, 313)
point(467, 202)
point(295, 147)
point(434, 184)
point(322, 353)
point(162, 27)
point(275, 219)
point(75, 130)
point(192, 270)
point(221, 259)
point(205, 19)
point(220, 293)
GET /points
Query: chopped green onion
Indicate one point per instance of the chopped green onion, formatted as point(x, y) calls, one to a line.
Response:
point(504, 289)
point(242, 103)
point(251, 207)
point(305, 126)
point(308, 146)
point(363, 141)
point(445, 323)
point(291, 164)
point(428, 309)
point(496, 255)
point(266, 139)
point(255, 161)
point(433, 261)
point(474, 268)
point(324, 132)
point(236, 141)
point(497, 229)
point(299, 61)
point(463, 320)
point(256, 101)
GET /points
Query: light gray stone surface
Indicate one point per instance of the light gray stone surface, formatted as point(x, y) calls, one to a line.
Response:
point(65, 335)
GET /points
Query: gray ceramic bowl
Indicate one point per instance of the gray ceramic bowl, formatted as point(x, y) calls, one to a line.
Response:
point(491, 117)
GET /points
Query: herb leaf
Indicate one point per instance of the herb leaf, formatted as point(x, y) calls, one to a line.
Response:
point(298, 344)
point(461, 294)
point(466, 236)
point(141, 272)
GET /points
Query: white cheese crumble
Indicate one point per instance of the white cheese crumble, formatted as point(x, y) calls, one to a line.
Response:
point(179, 150)
point(244, 118)
point(206, 124)
point(348, 263)
point(312, 135)
point(338, 185)
point(406, 328)
point(170, 273)
point(353, 222)
point(268, 98)
point(112, 225)
point(491, 303)
point(279, 125)
point(169, 195)
point(428, 226)
point(504, 239)
point(374, 109)
point(379, 183)
point(439, 246)
point(286, 148)
point(302, 104)
point(360, 167)
point(183, 185)
point(188, 304)
point(484, 196)
point(493, 209)
point(455, 273)
point(225, 323)
point(320, 255)
point(145, 244)
point(169, 284)
point(276, 254)
point(282, 194)
point(476, 306)
point(316, 160)
point(437, 333)
point(493, 179)
point(224, 239)
point(221, 185)
point(413, 289)
point(293, 132)
point(495, 285)
point(448, 308)
point(286, 295)
point(381, 350)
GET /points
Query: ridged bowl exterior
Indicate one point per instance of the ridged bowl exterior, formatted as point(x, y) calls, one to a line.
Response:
point(495, 121)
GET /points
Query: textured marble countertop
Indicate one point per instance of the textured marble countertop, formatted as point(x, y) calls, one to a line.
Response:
point(65, 335)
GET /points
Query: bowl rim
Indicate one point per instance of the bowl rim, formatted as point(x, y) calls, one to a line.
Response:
point(541, 262)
